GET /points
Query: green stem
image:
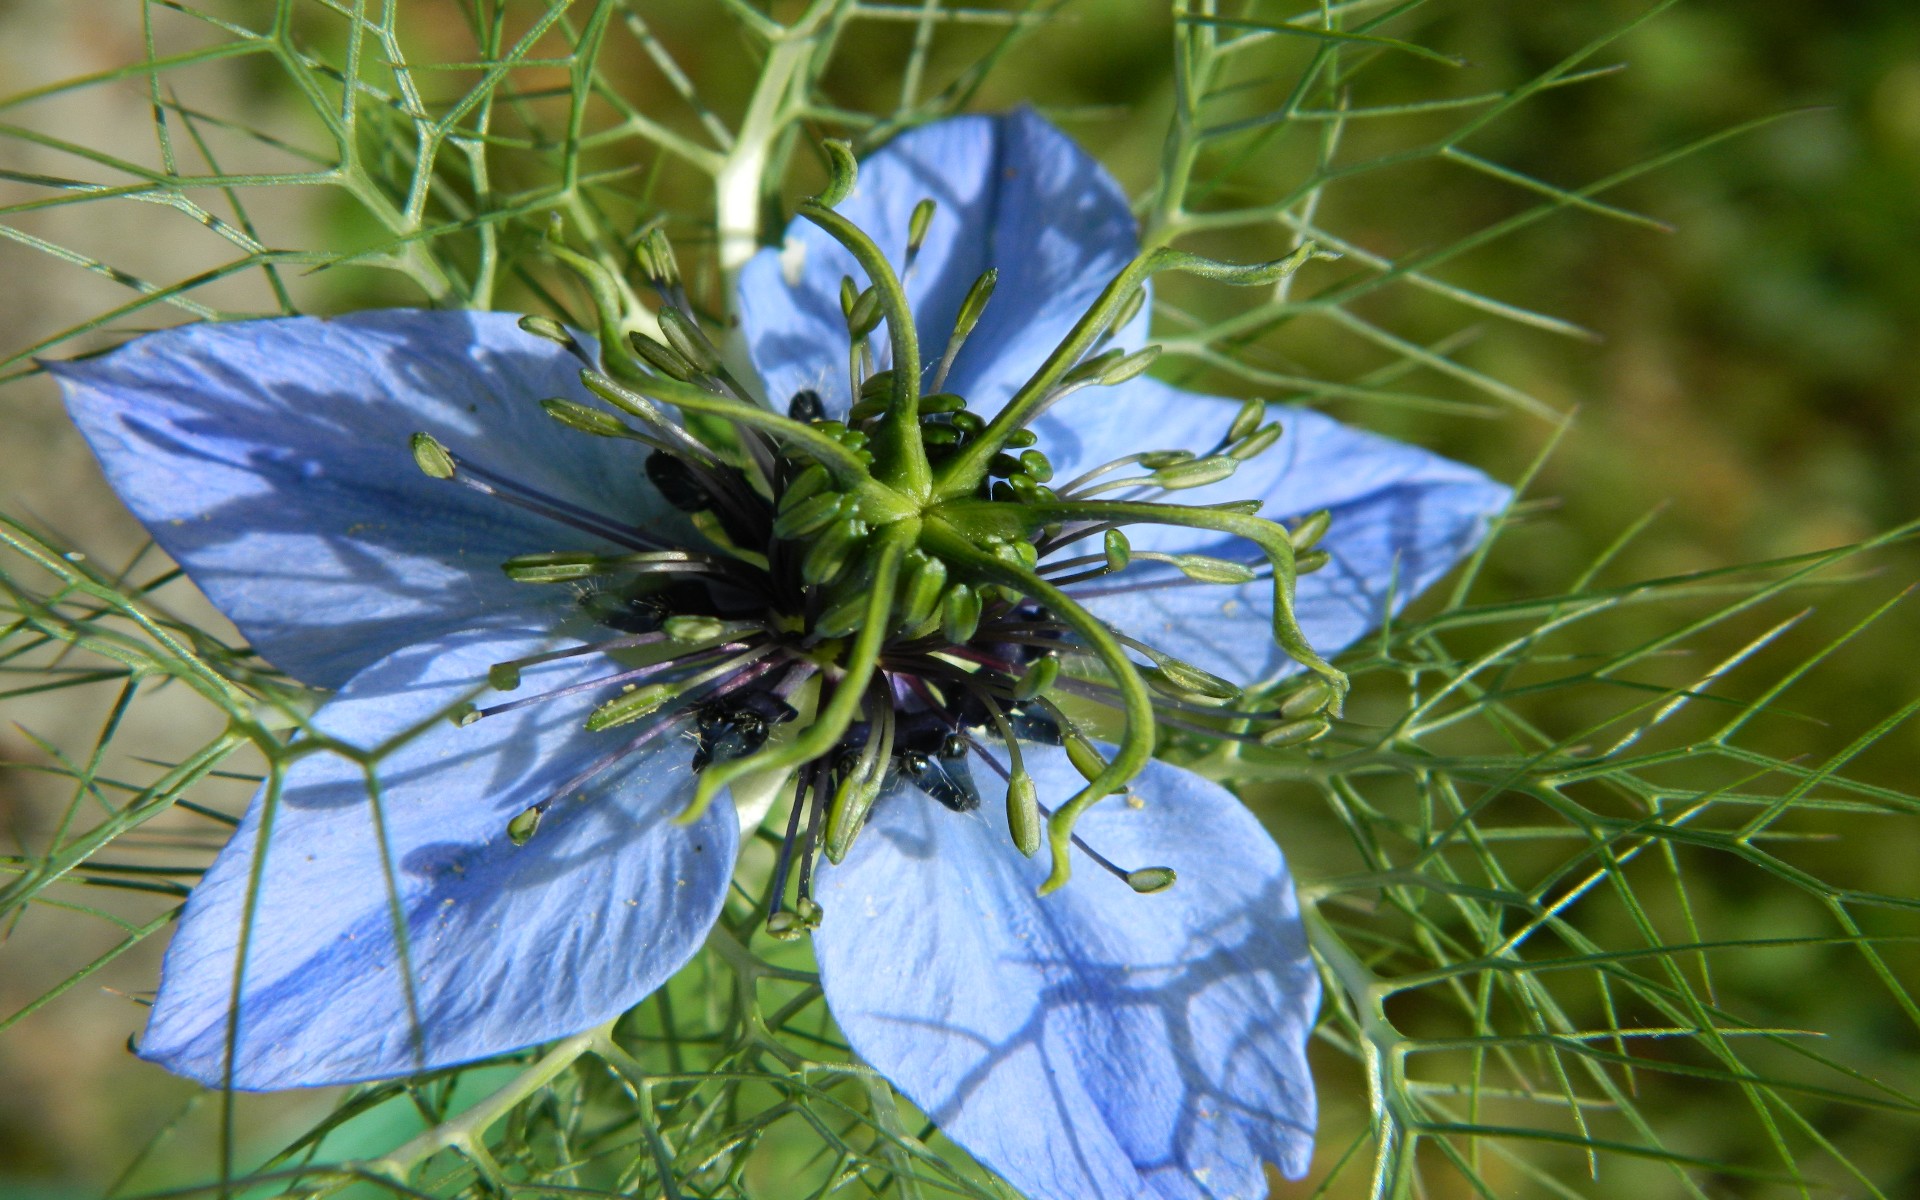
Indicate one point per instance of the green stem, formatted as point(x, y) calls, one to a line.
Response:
point(832, 720)
point(901, 459)
point(1136, 704)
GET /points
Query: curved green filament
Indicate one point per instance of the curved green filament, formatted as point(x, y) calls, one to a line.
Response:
point(879, 504)
point(607, 308)
point(1270, 537)
point(1136, 704)
point(900, 458)
point(831, 722)
point(962, 474)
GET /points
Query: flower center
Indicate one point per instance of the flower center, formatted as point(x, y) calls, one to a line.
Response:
point(910, 575)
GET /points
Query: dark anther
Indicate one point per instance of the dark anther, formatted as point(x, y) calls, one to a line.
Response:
point(947, 780)
point(677, 483)
point(731, 730)
point(806, 406)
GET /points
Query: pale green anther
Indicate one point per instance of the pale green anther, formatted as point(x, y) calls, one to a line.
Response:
point(843, 618)
point(583, 419)
point(1020, 439)
point(688, 341)
point(694, 627)
point(864, 317)
point(784, 926)
point(656, 258)
point(1246, 420)
point(805, 486)
point(1311, 697)
point(1129, 308)
point(1188, 678)
point(629, 706)
point(1155, 460)
point(926, 579)
point(1094, 368)
point(1081, 753)
point(503, 677)
point(1038, 677)
point(1312, 527)
point(918, 224)
point(975, 303)
point(1246, 508)
point(959, 614)
point(1255, 445)
point(1207, 569)
point(810, 911)
point(563, 566)
point(1023, 813)
point(1130, 367)
point(814, 513)
point(548, 328)
point(942, 402)
point(1119, 550)
point(848, 813)
point(832, 550)
point(1198, 473)
point(843, 171)
point(464, 715)
point(849, 292)
point(1036, 466)
point(1308, 562)
point(1148, 880)
point(1295, 733)
point(521, 829)
point(433, 458)
point(662, 357)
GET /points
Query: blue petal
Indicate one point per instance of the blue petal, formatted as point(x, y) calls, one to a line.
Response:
point(1094, 1043)
point(270, 459)
point(1402, 517)
point(1013, 193)
point(506, 946)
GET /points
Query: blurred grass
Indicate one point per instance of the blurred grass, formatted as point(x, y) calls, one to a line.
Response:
point(1754, 372)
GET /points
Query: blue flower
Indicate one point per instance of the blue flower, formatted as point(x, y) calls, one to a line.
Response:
point(675, 598)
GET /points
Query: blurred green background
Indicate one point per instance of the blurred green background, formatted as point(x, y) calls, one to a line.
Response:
point(1754, 371)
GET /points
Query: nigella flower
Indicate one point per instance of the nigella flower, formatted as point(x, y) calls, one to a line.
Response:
point(900, 574)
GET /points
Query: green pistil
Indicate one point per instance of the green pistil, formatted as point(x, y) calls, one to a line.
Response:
point(900, 456)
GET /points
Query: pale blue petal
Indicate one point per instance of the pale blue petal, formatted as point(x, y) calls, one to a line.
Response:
point(1402, 517)
point(270, 459)
point(1013, 193)
point(506, 946)
point(1093, 1044)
